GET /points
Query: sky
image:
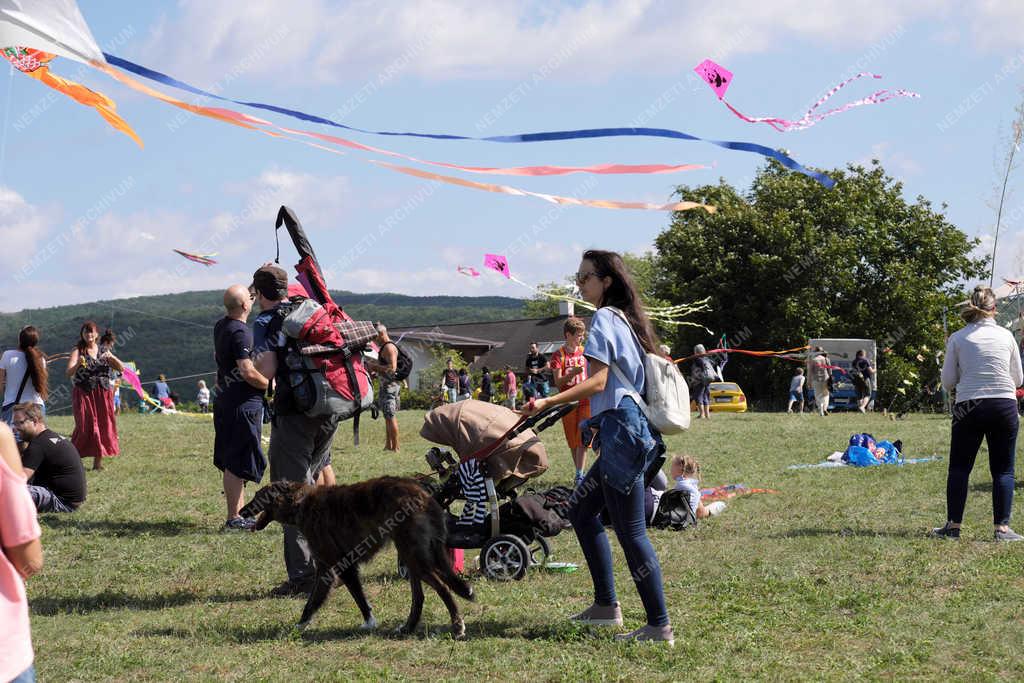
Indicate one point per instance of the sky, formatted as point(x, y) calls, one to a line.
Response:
point(85, 214)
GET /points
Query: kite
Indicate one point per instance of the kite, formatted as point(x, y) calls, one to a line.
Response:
point(204, 259)
point(545, 136)
point(498, 263)
point(468, 270)
point(35, 64)
point(719, 78)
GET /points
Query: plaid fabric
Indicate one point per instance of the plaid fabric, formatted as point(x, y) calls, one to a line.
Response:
point(356, 333)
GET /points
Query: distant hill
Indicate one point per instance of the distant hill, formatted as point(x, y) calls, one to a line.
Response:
point(173, 333)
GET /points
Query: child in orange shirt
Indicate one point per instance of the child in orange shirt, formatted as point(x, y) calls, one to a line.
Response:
point(570, 368)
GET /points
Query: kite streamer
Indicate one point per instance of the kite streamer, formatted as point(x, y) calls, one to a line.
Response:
point(759, 354)
point(554, 199)
point(599, 169)
point(204, 259)
point(545, 136)
point(718, 79)
point(468, 270)
point(253, 123)
point(34, 63)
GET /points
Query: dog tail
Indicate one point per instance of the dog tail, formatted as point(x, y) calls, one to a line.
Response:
point(447, 574)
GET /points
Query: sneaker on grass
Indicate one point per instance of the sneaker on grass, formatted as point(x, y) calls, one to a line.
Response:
point(1008, 535)
point(240, 524)
point(945, 531)
point(654, 634)
point(599, 615)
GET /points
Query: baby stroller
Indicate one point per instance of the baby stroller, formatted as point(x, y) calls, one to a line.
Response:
point(498, 451)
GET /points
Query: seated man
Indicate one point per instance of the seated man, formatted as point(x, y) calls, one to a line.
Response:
point(56, 478)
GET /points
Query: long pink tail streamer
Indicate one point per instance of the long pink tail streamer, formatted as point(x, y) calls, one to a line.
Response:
point(554, 199)
point(810, 117)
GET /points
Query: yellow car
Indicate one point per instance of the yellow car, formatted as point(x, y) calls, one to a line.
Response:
point(727, 397)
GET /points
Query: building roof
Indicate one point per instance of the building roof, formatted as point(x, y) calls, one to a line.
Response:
point(494, 344)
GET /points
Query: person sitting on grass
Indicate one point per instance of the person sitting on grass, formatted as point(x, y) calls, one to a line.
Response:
point(685, 471)
point(56, 478)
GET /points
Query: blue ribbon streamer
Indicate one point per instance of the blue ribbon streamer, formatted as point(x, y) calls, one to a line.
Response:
point(783, 159)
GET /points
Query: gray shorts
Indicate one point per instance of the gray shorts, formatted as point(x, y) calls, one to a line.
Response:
point(389, 398)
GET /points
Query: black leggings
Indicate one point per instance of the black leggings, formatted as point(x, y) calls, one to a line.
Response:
point(996, 421)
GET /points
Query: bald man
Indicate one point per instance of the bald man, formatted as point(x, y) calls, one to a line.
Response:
point(238, 408)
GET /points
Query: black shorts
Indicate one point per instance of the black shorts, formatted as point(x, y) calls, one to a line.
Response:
point(236, 444)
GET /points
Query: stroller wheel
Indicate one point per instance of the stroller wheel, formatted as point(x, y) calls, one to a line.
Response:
point(540, 551)
point(504, 558)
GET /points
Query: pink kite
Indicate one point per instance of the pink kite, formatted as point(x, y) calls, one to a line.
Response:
point(718, 78)
point(715, 75)
point(134, 381)
point(498, 263)
point(468, 270)
point(204, 259)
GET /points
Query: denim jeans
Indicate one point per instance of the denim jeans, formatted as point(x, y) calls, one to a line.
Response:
point(46, 500)
point(26, 676)
point(615, 481)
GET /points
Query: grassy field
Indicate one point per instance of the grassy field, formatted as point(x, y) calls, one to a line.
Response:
point(833, 578)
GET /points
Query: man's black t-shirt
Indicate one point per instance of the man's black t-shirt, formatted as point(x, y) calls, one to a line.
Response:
point(232, 342)
point(57, 466)
point(535, 361)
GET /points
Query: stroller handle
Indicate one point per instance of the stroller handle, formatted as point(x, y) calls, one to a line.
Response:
point(543, 419)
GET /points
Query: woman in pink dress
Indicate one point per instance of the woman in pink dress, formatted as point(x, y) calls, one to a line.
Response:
point(20, 558)
point(95, 434)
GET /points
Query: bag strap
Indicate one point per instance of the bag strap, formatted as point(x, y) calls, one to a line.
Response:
point(24, 380)
point(630, 387)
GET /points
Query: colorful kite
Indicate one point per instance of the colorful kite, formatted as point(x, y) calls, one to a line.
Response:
point(546, 136)
point(204, 259)
point(468, 270)
point(719, 78)
point(34, 63)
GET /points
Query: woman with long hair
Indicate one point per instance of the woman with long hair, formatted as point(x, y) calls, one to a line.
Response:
point(23, 375)
point(89, 368)
point(982, 365)
point(627, 445)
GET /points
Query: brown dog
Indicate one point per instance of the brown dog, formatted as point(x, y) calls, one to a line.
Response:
point(346, 526)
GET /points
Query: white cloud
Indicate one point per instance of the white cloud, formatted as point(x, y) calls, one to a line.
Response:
point(373, 43)
point(893, 161)
point(23, 226)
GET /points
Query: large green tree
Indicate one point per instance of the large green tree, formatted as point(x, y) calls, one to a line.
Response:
point(789, 260)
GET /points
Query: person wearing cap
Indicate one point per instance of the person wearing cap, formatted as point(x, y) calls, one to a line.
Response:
point(238, 412)
point(300, 445)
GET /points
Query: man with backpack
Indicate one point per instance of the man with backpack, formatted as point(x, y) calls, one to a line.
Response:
point(391, 373)
point(299, 444)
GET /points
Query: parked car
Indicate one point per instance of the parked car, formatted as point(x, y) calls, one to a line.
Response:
point(727, 397)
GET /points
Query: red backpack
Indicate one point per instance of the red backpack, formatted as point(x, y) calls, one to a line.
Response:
point(323, 356)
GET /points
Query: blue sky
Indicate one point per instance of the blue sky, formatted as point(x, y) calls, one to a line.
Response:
point(476, 69)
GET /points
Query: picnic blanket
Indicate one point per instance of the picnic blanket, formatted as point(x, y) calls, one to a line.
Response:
point(828, 464)
point(727, 491)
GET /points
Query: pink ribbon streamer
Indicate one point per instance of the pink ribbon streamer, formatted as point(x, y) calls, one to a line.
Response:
point(554, 199)
point(600, 169)
point(810, 117)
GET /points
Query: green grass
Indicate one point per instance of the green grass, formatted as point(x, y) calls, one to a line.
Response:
point(833, 578)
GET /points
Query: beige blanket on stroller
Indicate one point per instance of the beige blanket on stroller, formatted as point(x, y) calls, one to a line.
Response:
point(468, 426)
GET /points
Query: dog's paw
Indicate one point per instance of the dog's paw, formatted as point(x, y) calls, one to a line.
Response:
point(369, 625)
point(404, 630)
point(459, 630)
point(301, 626)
